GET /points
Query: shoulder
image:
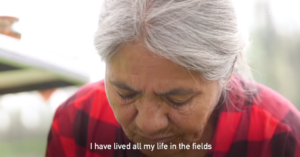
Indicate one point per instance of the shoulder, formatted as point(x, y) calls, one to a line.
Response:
point(265, 105)
point(81, 122)
point(85, 113)
point(273, 118)
point(271, 111)
point(267, 121)
point(89, 101)
point(272, 106)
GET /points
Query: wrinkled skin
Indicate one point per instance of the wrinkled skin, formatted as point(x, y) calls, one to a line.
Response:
point(155, 100)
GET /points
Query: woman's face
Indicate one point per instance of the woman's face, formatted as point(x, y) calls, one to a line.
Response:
point(157, 101)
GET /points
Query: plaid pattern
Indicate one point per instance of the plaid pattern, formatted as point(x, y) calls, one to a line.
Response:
point(269, 128)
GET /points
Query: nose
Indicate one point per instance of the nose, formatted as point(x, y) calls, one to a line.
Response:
point(151, 118)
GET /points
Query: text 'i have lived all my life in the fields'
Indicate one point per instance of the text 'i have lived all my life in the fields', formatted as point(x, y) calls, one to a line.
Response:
point(158, 146)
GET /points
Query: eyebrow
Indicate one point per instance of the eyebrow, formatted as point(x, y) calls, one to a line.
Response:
point(178, 91)
point(122, 85)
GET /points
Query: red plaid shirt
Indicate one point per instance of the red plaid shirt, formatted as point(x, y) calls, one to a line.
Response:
point(269, 128)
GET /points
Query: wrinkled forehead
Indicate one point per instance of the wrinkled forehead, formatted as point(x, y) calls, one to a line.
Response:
point(141, 69)
point(136, 60)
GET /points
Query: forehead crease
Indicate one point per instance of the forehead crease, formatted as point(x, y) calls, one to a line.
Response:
point(142, 69)
point(138, 60)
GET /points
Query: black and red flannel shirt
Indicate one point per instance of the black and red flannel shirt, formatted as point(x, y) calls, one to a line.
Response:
point(269, 127)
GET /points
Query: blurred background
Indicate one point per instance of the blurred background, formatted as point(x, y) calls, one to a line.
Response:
point(47, 53)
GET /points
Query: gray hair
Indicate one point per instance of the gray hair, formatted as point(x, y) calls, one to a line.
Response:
point(200, 35)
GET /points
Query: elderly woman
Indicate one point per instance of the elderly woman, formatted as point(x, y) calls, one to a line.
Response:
point(175, 85)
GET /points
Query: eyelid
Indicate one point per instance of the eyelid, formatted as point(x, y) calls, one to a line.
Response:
point(178, 100)
point(128, 93)
point(179, 104)
point(126, 97)
point(125, 92)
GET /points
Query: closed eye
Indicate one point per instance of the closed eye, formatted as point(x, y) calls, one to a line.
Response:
point(177, 104)
point(127, 97)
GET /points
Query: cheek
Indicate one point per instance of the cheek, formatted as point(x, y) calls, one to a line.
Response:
point(194, 116)
point(124, 113)
point(189, 123)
